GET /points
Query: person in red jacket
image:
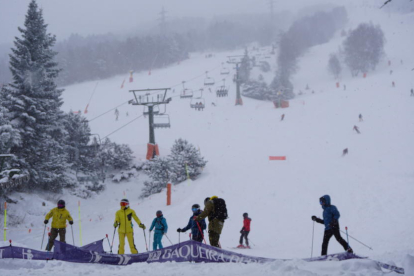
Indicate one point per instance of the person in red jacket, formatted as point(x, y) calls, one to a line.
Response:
point(245, 231)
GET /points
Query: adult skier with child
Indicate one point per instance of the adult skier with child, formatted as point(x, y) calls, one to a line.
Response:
point(197, 227)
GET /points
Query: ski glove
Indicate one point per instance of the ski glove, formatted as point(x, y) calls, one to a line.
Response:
point(70, 222)
point(115, 224)
point(142, 226)
point(179, 230)
point(314, 218)
point(46, 221)
point(318, 220)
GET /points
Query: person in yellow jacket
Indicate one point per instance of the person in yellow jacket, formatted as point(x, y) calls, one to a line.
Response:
point(60, 215)
point(123, 219)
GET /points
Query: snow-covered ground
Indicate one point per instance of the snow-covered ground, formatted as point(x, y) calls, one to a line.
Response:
point(372, 186)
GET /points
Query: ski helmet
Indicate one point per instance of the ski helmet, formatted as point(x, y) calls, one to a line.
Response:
point(245, 215)
point(125, 202)
point(61, 204)
point(159, 213)
point(195, 208)
point(207, 199)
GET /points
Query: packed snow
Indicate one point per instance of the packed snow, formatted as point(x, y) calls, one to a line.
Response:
point(371, 186)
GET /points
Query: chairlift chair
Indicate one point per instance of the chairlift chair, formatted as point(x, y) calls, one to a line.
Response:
point(222, 91)
point(224, 71)
point(162, 121)
point(186, 93)
point(208, 81)
point(198, 103)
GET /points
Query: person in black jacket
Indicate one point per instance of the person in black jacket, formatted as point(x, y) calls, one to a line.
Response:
point(195, 226)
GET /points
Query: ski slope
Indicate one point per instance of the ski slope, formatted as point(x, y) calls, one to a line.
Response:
point(371, 186)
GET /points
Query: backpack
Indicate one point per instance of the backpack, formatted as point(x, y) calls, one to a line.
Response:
point(220, 209)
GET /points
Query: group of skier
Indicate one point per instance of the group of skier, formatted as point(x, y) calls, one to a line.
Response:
point(214, 209)
point(199, 106)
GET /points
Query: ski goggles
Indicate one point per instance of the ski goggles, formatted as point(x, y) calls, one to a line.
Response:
point(195, 209)
point(124, 203)
point(322, 201)
point(61, 206)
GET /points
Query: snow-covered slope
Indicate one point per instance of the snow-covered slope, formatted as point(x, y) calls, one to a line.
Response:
point(372, 186)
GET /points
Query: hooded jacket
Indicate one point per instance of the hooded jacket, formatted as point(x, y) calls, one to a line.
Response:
point(160, 225)
point(246, 224)
point(192, 224)
point(330, 212)
point(124, 218)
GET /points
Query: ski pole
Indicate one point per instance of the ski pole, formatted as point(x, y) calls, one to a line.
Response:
point(108, 241)
point(113, 238)
point(73, 238)
point(145, 238)
point(357, 240)
point(313, 231)
point(44, 232)
point(347, 239)
point(168, 238)
point(201, 232)
point(149, 239)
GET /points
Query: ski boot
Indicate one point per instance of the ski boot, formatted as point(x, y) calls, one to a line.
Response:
point(241, 246)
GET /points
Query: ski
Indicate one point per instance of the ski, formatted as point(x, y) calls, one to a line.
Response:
point(396, 269)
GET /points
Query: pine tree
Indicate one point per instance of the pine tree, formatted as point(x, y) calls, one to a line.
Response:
point(184, 156)
point(334, 65)
point(34, 101)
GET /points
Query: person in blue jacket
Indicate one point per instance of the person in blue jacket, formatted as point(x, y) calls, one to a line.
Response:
point(161, 228)
point(330, 219)
point(195, 226)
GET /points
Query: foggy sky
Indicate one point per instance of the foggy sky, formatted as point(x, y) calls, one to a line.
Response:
point(124, 16)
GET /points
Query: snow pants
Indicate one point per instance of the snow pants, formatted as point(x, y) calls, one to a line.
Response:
point(214, 238)
point(198, 238)
point(157, 241)
point(130, 237)
point(53, 235)
point(244, 235)
point(328, 235)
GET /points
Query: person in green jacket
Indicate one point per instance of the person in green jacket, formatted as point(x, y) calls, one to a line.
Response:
point(60, 215)
point(215, 226)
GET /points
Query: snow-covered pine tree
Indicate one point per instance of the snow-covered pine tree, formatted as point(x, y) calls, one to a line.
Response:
point(114, 156)
point(182, 153)
point(159, 171)
point(34, 101)
point(9, 136)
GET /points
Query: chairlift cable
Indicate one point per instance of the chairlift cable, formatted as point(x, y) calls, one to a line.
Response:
point(108, 111)
point(122, 126)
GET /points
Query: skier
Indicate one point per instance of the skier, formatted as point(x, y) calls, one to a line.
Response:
point(393, 84)
point(345, 152)
point(216, 211)
point(195, 226)
point(245, 231)
point(283, 117)
point(60, 215)
point(357, 129)
point(391, 72)
point(123, 219)
point(360, 118)
point(213, 104)
point(161, 228)
point(412, 92)
point(330, 219)
point(344, 87)
point(116, 114)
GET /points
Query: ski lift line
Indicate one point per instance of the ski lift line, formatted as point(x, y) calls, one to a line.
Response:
point(93, 92)
point(199, 76)
point(108, 111)
point(122, 127)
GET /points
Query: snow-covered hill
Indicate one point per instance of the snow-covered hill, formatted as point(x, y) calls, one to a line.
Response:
point(372, 186)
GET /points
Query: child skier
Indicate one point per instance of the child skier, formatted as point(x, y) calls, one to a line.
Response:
point(123, 219)
point(330, 219)
point(161, 228)
point(60, 215)
point(360, 118)
point(195, 226)
point(356, 129)
point(245, 231)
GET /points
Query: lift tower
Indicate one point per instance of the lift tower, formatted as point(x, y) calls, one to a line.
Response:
point(237, 60)
point(146, 98)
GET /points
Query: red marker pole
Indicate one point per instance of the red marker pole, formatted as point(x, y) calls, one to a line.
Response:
point(347, 240)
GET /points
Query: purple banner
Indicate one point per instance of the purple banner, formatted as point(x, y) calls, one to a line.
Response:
point(188, 251)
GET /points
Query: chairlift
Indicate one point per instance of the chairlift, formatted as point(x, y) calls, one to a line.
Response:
point(162, 121)
point(198, 103)
point(155, 110)
point(222, 91)
point(208, 80)
point(225, 71)
point(186, 93)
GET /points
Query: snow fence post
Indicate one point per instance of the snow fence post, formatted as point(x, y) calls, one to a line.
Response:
point(5, 221)
point(80, 225)
point(169, 194)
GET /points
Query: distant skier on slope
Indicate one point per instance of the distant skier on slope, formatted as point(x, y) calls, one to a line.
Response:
point(245, 231)
point(123, 219)
point(195, 226)
point(116, 114)
point(282, 117)
point(345, 152)
point(356, 129)
point(360, 118)
point(412, 92)
point(330, 219)
point(60, 215)
point(161, 228)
